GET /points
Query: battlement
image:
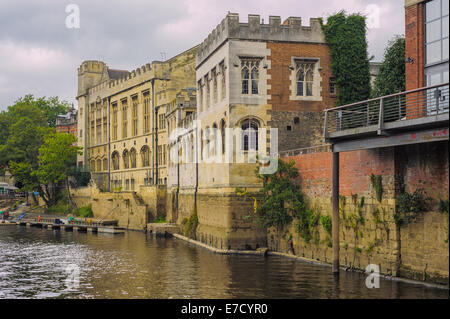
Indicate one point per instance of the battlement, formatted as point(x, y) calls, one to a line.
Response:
point(91, 66)
point(139, 72)
point(291, 30)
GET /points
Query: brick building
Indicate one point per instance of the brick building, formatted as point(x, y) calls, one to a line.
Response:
point(67, 123)
point(427, 36)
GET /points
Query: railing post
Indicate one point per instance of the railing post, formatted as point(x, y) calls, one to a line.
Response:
point(437, 95)
point(381, 117)
point(325, 130)
point(399, 107)
point(368, 114)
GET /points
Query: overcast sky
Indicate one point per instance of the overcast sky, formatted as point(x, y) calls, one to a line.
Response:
point(40, 55)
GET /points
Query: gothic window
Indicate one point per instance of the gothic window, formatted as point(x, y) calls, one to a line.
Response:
point(208, 92)
point(250, 135)
point(223, 82)
point(126, 159)
point(250, 76)
point(105, 164)
point(135, 115)
point(115, 160)
point(124, 119)
point(305, 78)
point(145, 154)
point(133, 158)
point(215, 89)
point(114, 121)
point(99, 165)
point(146, 112)
point(214, 137)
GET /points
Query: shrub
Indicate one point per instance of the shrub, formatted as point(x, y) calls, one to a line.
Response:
point(85, 211)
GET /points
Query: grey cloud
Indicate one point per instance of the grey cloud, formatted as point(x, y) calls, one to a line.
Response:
point(128, 34)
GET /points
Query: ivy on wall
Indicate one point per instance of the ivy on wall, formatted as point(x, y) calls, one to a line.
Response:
point(346, 37)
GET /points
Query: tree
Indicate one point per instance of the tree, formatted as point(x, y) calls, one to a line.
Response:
point(50, 107)
point(23, 143)
point(346, 38)
point(56, 158)
point(391, 78)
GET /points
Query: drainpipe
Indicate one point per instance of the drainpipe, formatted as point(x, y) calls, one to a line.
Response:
point(335, 216)
point(153, 129)
point(109, 144)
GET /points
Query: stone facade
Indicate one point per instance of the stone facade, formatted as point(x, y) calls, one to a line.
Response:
point(122, 126)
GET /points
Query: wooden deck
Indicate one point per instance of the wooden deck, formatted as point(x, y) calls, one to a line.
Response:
point(81, 225)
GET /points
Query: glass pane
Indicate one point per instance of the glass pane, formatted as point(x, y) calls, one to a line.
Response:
point(445, 49)
point(433, 52)
point(433, 31)
point(433, 9)
point(445, 27)
point(445, 77)
point(445, 8)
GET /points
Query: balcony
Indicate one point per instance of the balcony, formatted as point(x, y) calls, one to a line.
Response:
point(409, 117)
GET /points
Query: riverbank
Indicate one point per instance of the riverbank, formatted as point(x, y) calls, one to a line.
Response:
point(265, 252)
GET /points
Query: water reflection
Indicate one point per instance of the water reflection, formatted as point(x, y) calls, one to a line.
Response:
point(33, 262)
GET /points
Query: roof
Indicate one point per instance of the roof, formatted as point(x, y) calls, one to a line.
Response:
point(116, 74)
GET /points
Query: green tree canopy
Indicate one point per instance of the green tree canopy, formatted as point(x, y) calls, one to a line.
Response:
point(346, 38)
point(391, 77)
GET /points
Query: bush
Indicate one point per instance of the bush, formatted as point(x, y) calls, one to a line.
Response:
point(85, 211)
point(326, 223)
point(409, 206)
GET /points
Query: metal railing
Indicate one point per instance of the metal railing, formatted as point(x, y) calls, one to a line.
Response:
point(373, 114)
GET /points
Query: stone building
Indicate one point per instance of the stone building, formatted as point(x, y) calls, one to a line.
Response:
point(121, 119)
point(250, 77)
point(67, 123)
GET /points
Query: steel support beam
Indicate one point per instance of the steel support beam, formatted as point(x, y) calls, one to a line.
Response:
point(335, 216)
point(416, 137)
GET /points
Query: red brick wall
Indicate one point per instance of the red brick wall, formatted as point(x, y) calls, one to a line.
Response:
point(355, 169)
point(281, 58)
point(71, 129)
point(414, 46)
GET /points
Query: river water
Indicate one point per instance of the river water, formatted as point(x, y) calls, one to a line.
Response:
point(33, 264)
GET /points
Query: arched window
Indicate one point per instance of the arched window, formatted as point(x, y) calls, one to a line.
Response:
point(115, 160)
point(99, 165)
point(126, 159)
point(305, 79)
point(215, 136)
point(250, 135)
point(245, 75)
point(105, 164)
point(145, 155)
point(250, 76)
point(255, 80)
point(133, 158)
point(207, 140)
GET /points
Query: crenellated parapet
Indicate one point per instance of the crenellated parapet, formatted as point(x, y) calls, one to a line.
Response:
point(291, 30)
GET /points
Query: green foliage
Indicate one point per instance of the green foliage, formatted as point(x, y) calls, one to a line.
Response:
point(85, 211)
point(50, 107)
point(282, 199)
point(308, 221)
point(346, 37)
point(391, 77)
point(377, 184)
point(56, 156)
point(326, 222)
point(409, 206)
point(160, 220)
point(190, 225)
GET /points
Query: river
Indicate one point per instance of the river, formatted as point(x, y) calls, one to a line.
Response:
point(33, 264)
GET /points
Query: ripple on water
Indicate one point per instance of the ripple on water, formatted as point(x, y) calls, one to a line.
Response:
point(33, 264)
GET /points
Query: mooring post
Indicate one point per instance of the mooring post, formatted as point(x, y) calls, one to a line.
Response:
point(335, 217)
